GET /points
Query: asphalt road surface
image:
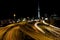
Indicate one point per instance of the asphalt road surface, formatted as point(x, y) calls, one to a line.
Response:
point(17, 31)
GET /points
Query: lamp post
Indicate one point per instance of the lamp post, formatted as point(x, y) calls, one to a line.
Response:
point(14, 16)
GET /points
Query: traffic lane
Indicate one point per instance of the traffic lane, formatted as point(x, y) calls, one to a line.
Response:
point(33, 34)
point(5, 29)
point(50, 31)
point(13, 34)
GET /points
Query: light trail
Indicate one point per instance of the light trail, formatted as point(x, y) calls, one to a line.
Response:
point(38, 27)
point(52, 31)
point(41, 35)
point(50, 25)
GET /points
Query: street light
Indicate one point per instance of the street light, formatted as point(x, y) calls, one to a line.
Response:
point(14, 15)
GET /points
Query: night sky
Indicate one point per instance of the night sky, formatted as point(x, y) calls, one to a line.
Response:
point(50, 7)
point(20, 8)
point(26, 8)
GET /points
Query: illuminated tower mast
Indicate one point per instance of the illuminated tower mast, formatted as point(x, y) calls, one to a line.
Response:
point(38, 11)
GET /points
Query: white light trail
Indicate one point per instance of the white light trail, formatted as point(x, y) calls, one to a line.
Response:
point(52, 31)
point(50, 25)
point(39, 27)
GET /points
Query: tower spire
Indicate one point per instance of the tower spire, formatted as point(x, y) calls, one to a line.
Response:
point(38, 11)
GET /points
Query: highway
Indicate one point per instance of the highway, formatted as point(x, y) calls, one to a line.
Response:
point(36, 30)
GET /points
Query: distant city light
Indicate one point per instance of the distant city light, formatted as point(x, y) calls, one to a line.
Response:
point(24, 19)
point(46, 18)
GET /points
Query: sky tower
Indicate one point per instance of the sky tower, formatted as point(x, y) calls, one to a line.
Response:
point(38, 11)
